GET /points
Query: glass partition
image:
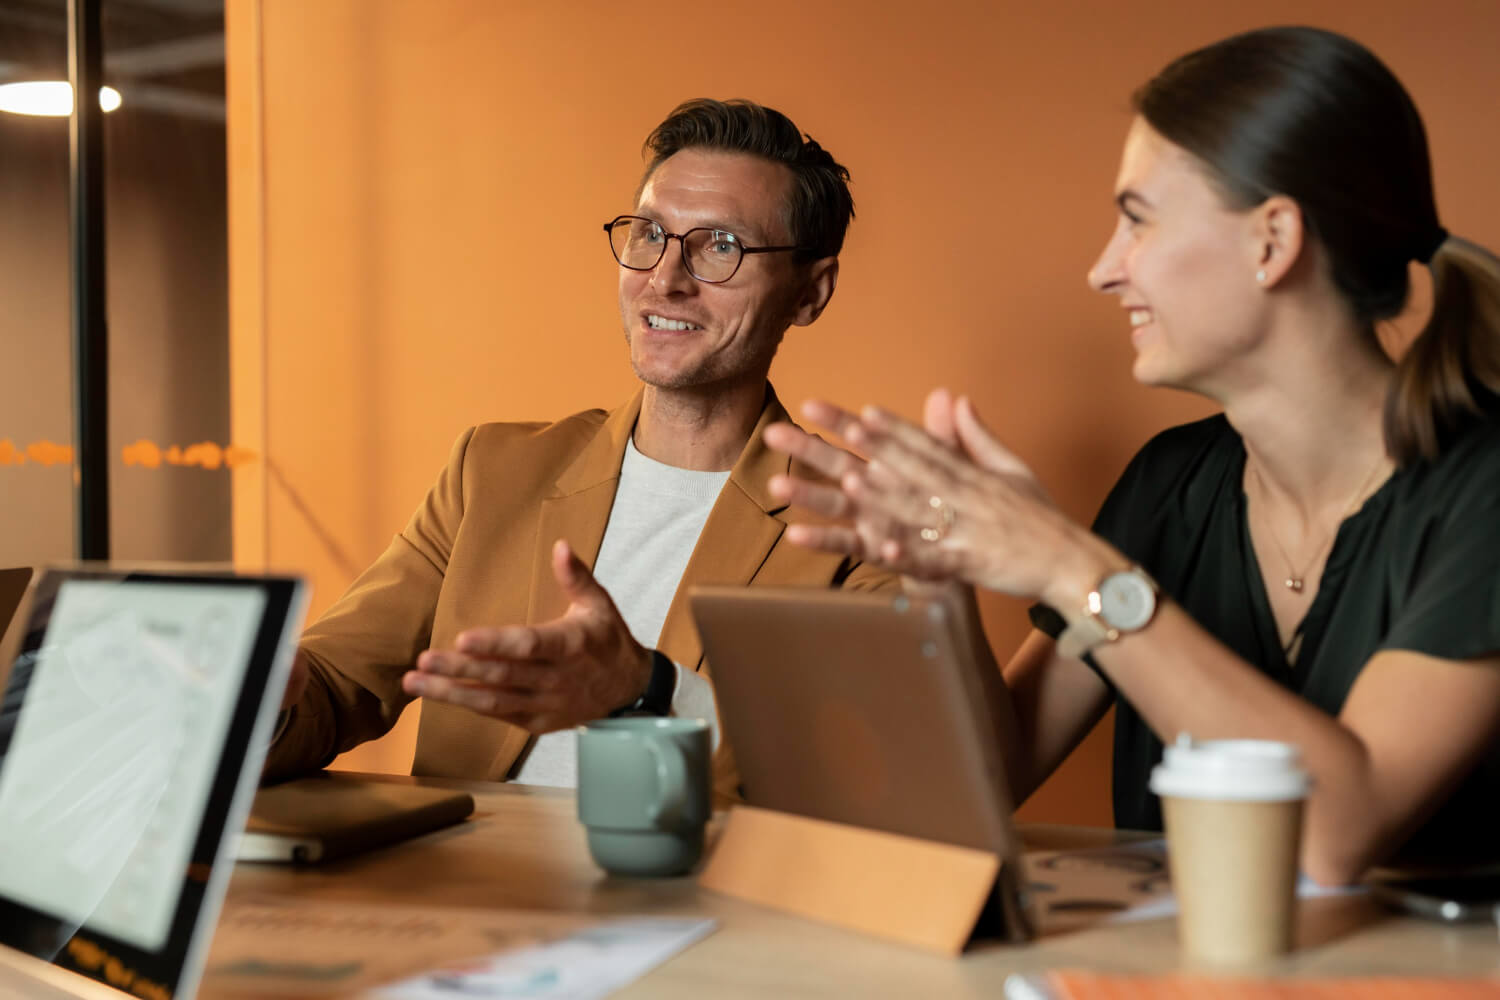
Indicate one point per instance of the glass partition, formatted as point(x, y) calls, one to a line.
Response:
point(166, 286)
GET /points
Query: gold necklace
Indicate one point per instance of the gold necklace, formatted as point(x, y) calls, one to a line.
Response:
point(1296, 581)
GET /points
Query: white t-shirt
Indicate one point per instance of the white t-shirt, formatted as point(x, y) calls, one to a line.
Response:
point(658, 513)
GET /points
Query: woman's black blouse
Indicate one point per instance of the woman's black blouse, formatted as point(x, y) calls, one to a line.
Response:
point(1416, 568)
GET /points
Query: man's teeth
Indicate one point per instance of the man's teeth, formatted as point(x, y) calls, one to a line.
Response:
point(1140, 317)
point(662, 323)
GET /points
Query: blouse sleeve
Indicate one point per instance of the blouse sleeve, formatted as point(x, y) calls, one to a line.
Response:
point(1452, 604)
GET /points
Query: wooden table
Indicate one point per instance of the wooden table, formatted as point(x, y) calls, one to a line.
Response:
point(524, 848)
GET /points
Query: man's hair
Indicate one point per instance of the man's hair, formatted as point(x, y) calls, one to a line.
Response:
point(819, 207)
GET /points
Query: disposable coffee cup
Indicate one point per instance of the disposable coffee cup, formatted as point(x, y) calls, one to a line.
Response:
point(1233, 811)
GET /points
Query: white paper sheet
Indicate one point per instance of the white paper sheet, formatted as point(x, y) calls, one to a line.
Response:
point(585, 965)
point(276, 947)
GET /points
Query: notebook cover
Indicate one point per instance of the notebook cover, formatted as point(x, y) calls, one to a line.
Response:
point(322, 818)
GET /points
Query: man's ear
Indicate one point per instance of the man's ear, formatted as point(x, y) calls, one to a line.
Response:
point(822, 278)
point(1277, 236)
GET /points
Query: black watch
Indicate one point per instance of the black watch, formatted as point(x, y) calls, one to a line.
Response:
point(657, 698)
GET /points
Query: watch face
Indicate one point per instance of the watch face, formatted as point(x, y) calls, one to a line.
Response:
point(1126, 601)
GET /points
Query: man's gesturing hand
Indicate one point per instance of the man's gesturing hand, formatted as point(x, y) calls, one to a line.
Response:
point(578, 667)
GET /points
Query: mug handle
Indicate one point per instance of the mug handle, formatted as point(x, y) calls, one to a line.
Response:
point(671, 784)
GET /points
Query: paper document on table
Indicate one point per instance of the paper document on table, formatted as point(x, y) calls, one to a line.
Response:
point(587, 964)
point(274, 948)
point(268, 948)
point(1102, 986)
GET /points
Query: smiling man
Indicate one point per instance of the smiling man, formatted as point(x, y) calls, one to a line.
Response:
point(543, 582)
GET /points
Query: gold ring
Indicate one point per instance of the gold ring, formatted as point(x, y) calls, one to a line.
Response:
point(946, 517)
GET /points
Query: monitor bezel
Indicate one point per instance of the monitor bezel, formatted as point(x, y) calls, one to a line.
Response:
point(175, 967)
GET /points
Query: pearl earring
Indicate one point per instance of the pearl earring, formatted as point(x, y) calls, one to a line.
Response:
point(1260, 276)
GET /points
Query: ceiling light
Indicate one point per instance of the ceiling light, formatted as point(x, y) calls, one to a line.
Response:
point(51, 98)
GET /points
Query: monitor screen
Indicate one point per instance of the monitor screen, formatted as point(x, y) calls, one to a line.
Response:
point(128, 725)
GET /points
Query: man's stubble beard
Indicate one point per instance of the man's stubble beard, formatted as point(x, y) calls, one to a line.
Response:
point(706, 372)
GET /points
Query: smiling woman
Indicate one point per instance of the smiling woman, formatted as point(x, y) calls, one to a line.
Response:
point(1305, 566)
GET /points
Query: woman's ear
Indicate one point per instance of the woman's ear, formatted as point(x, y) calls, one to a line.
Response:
point(1277, 236)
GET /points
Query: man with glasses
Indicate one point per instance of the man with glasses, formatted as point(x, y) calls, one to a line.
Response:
point(486, 606)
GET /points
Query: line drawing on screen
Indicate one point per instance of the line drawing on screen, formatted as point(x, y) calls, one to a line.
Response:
point(121, 731)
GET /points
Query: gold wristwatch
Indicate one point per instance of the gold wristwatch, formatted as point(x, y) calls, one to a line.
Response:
point(1123, 602)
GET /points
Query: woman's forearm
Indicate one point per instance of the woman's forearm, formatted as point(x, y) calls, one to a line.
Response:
point(1057, 702)
point(1181, 679)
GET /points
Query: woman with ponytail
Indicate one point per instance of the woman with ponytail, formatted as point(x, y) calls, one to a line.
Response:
point(1320, 563)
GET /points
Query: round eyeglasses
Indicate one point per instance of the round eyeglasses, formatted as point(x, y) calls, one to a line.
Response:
point(710, 255)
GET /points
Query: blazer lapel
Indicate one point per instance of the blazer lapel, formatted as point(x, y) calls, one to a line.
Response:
point(739, 534)
point(738, 538)
point(578, 509)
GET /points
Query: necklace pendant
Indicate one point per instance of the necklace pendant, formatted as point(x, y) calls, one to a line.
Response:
point(1294, 585)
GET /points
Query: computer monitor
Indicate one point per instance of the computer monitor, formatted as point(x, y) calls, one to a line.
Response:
point(132, 734)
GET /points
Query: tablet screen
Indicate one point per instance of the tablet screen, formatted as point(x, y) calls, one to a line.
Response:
point(125, 731)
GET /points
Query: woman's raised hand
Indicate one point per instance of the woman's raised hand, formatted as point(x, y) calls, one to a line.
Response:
point(849, 529)
point(945, 502)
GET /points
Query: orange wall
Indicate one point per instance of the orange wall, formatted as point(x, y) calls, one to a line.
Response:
point(417, 189)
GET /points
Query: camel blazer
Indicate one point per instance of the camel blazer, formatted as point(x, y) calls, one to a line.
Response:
point(477, 552)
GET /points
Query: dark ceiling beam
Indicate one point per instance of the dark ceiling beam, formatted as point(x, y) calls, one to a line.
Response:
point(156, 59)
point(172, 101)
point(130, 70)
point(167, 57)
point(194, 7)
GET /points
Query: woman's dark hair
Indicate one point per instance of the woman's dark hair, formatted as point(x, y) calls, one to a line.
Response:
point(1316, 117)
point(819, 207)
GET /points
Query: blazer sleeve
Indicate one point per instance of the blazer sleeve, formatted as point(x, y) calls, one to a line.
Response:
point(358, 650)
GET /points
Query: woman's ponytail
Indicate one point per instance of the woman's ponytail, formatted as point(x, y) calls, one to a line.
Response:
point(1450, 375)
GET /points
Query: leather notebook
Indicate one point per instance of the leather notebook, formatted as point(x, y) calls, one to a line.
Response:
point(316, 819)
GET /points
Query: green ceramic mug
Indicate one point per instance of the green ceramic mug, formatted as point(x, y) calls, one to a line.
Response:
point(643, 793)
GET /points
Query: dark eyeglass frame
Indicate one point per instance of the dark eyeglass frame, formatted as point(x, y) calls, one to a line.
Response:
point(681, 239)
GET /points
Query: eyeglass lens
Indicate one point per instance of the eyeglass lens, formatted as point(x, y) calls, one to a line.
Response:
point(710, 254)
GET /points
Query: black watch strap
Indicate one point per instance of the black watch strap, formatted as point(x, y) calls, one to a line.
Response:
point(657, 698)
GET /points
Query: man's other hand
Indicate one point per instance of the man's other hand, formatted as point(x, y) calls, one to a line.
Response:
point(576, 668)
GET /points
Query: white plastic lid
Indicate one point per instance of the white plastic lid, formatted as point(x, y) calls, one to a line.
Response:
point(1232, 770)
